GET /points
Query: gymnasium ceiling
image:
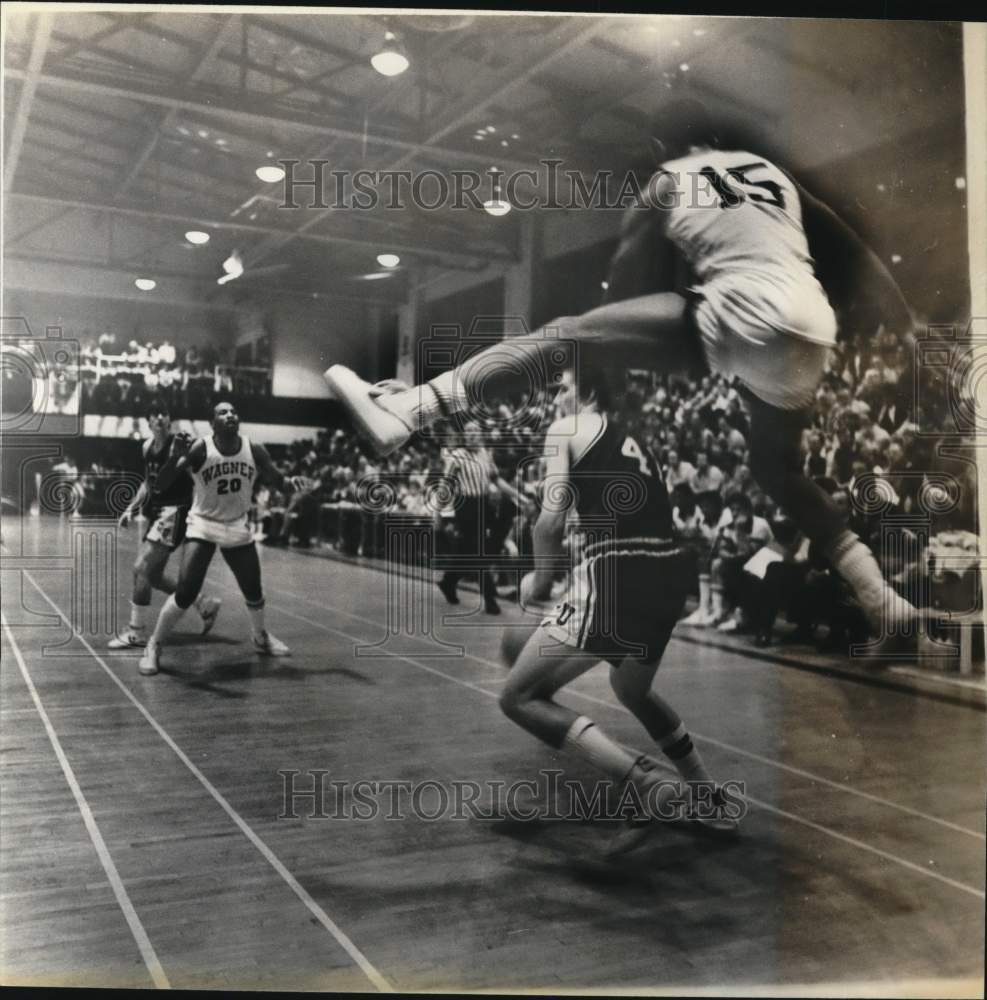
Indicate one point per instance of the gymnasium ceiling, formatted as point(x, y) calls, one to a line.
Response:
point(125, 129)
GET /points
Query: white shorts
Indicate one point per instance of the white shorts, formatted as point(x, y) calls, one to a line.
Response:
point(774, 337)
point(167, 527)
point(225, 534)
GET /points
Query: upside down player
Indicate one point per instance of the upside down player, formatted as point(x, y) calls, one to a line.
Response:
point(756, 311)
point(622, 604)
point(223, 468)
point(166, 510)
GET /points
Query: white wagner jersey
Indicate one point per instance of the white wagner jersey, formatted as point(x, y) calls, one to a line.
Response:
point(224, 484)
point(737, 220)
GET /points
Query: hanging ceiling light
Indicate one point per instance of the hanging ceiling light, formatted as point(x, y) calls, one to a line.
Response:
point(146, 284)
point(497, 206)
point(269, 174)
point(390, 61)
point(388, 259)
point(233, 266)
point(196, 237)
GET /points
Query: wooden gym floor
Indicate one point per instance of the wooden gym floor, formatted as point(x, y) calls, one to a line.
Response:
point(140, 842)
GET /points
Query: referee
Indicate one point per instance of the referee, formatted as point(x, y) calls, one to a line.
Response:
point(479, 481)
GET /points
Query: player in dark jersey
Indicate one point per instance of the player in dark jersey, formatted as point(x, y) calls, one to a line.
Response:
point(625, 596)
point(166, 511)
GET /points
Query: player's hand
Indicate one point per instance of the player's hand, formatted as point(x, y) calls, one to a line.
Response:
point(182, 443)
point(301, 484)
point(387, 387)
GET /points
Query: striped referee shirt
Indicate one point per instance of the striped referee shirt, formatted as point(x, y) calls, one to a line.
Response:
point(472, 468)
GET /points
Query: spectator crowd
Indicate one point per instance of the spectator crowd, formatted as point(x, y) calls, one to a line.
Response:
point(752, 567)
point(121, 379)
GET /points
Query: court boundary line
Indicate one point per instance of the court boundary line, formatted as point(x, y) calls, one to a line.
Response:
point(141, 939)
point(877, 680)
point(840, 786)
point(887, 855)
point(342, 939)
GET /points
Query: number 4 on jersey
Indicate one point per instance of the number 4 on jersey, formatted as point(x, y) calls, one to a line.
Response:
point(631, 449)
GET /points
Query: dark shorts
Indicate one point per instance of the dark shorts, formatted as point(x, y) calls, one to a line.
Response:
point(623, 600)
point(166, 526)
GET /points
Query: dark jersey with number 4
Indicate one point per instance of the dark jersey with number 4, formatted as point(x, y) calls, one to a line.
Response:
point(620, 488)
point(179, 493)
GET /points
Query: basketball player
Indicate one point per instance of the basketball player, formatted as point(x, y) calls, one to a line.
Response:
point(623, 601)
point(166, 512)
point(223, 468)
point(756, 312)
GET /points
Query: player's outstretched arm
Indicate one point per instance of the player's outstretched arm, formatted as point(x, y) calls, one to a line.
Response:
point(548, 532)
point(272, 476)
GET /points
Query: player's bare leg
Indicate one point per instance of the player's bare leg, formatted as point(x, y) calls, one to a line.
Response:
point(151, 573)
point(652, 325)
point(632, 682)
point(527, 699)
point(196, 556)
point(245, 564)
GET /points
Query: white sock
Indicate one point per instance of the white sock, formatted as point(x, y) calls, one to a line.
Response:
point(170, 616)
point(677, 746)
point(586, 739)
point(423, 405)
point(138, 616)
point(256, 613)
point(704, 593)
point(450, 391)
point(856, 563)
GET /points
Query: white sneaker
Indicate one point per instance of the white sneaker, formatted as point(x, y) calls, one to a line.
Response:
point(385, 429)
point(699, 618)
point(151, 660)
point(131, 639)
point(269, 646)
point(730, 625)
point(209, 611)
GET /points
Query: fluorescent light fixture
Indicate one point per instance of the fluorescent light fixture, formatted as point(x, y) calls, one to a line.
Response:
point(388, 259)
point(390, 61)
point(496, 207)
point(196, 237)
point(146, 284)
point(269, 174)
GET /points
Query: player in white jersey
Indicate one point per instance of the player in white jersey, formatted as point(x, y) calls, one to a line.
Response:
point(755, 311)
point(224, 468)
